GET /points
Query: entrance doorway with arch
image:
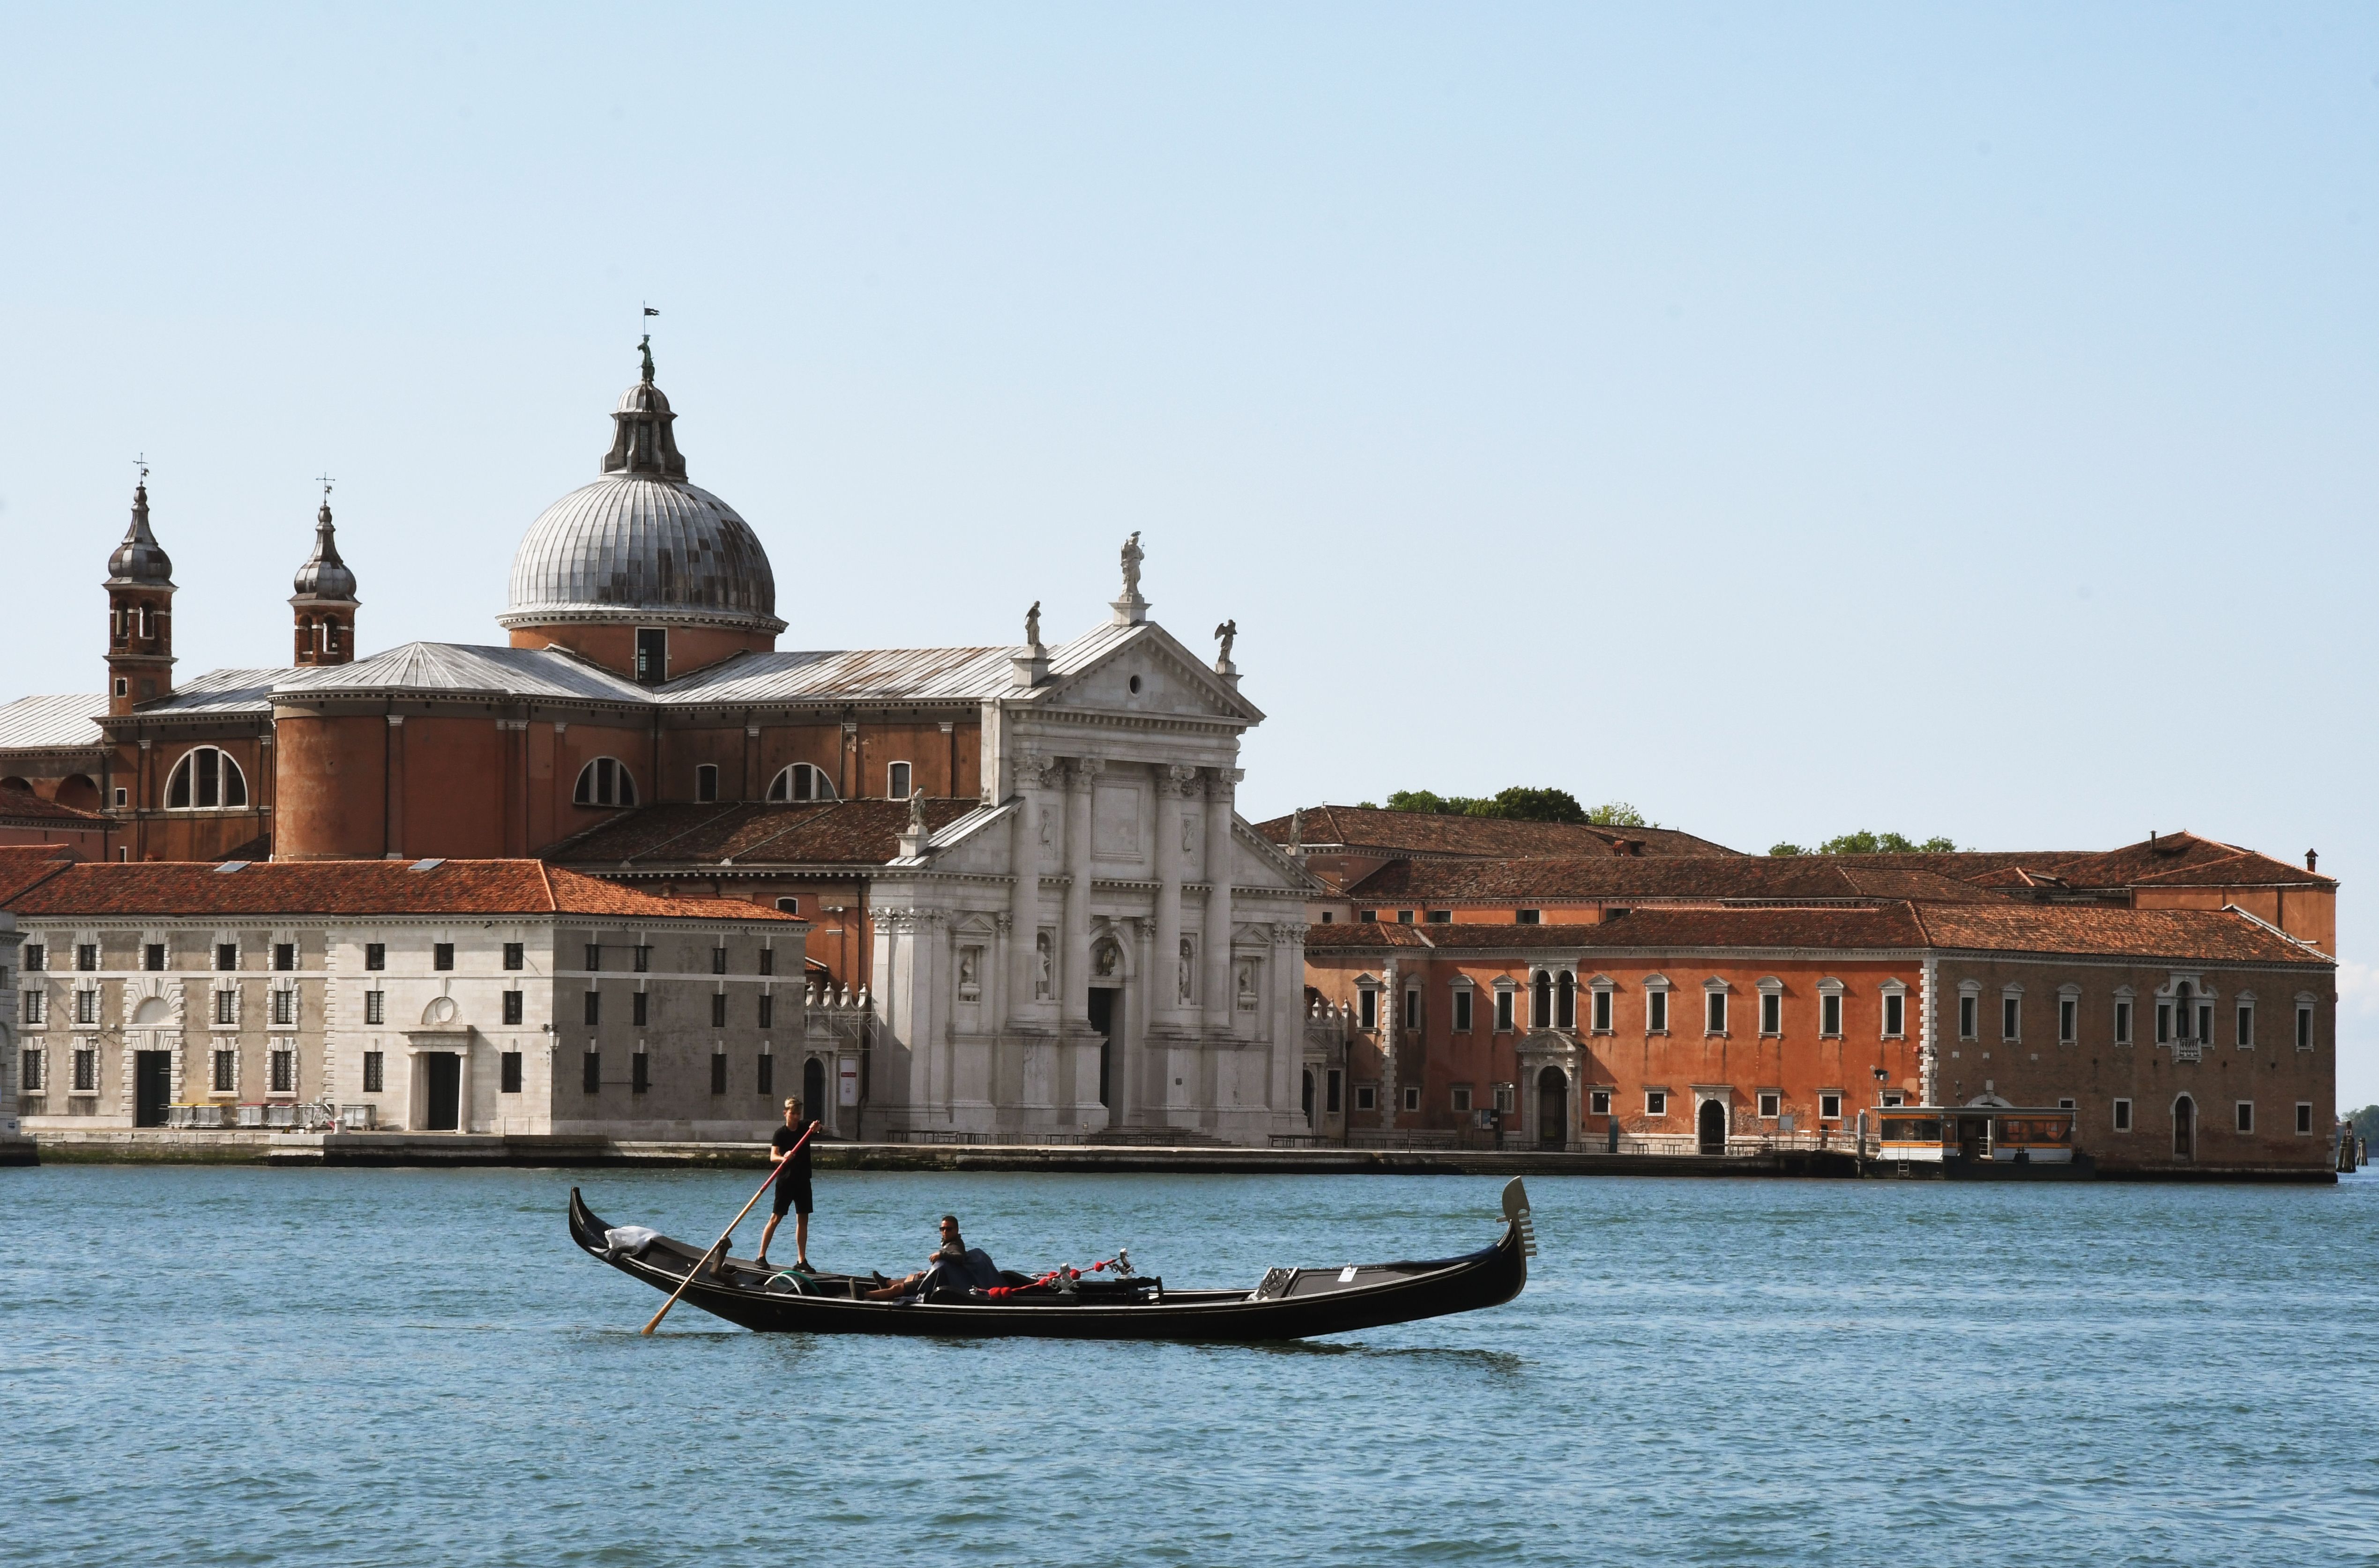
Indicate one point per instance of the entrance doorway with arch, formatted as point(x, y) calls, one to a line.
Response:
point(1103, 1012)
point(1709, 1125)
point(1553, 1108)
point(814, 1106)
point(2184, 1129)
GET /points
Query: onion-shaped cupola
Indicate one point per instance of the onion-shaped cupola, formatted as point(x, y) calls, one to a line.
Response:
point(140, 613)
point(140, 560)
point(641, 570)
point(324, 603)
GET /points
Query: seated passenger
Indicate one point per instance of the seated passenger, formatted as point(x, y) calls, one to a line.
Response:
point(955, 1268)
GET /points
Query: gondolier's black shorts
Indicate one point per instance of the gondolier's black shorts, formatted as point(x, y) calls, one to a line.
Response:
point(792, 1192)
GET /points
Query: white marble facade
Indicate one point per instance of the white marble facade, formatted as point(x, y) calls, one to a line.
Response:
point(1104, 943)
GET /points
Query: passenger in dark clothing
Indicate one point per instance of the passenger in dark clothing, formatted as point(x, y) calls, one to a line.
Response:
point(953, 1266)
point(792, 1188)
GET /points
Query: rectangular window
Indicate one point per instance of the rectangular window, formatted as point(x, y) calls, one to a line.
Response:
point(1440, 917)
point(1462, 1098)
point(227, 955)
point(1412, 1010)
point(227, 1006)
point(1367, 1008)
point(152, 956)
point(86, 1007)
point(513, 1009)
point(1367, 1097)
point(37, 1005)
point(515, 955)
point(2246, 1026)
point(2246, 1115)
point(718, 961)
point(717, 1072)
point(2122, 1115)
point(227, 1071)
point(375, 955)
point(2009, 1016)
point(442, 956)
point(718, 1009)
point(1895, 1015)
point(765, 1077)
point(640, 958)
point(1894, 1097)
point(1412, 1098)
point(1656, 1101)
point(1830, 1015)
point(1367, 915)
point(2122, 1023)
point(896, 781)
point(511, 1081)
point(1404, 917)
point(2164, 1023)
point(1602, 1012)
point(37, 956)
point(1598, 1102)
point(284, 956)
point(591, 1072)
point(375, 1073)
point(1655, 1012)
point(1504, 1012)
point(594, 956)
point(706, 782)
point(640, 1008)
point(652, 655)
point(1715, 1002)
point(1333, 1085)
point(86, 954)
point(2069, 1009)
point(2304, 1110)
point(768, 960)
point(2205, 1023)
point(1462, 1005)
point(594, 1008)
point(2304, 1028)
point(1528, 917)
point(284, 1072)
point(375, 1006)
point(1770, 1103)
point(29, 1073)
point(1830, 1107)
point(285, 1007)
point(1968, 1007)
point(767, 1010)
point(1771, 1013)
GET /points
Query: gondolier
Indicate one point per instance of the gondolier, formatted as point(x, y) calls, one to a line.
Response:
point(792, 1187)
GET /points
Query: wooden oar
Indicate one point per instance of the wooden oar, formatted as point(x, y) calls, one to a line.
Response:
point(738, 1220)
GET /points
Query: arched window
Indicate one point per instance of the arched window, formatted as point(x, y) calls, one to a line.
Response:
point(329, 635)
point(606, 782)
point(1541, 1001)
point(801, 782)
point(1565, 1013)
point(204, 779)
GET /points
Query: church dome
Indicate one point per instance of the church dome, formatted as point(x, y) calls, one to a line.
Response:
point(640, 544)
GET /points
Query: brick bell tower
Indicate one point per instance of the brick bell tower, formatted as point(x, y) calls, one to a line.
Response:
point(325, 600)
point(140, 612)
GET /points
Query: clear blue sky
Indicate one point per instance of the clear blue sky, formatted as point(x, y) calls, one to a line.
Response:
point(1790, 419)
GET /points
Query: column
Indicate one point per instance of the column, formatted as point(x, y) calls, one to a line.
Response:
point(1221, 994)
point(1164, 991)
point(1024, 894)
point(1074, 974)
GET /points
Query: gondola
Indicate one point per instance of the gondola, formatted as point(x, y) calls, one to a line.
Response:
point(1286, 1304)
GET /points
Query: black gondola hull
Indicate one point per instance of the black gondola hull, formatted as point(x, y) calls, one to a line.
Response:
point(1397, 1293)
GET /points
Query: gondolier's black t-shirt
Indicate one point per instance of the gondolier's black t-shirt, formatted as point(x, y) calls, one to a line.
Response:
point(798, 1167)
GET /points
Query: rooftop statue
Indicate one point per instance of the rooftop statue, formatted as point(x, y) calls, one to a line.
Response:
point(1229, 632)
point(646, 348)
point(1132, 557)
point(1033, 625)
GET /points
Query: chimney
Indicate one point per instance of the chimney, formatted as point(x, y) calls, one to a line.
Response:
point(2312, 858)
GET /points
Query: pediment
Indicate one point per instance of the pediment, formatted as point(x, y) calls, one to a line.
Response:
point(1098, 672)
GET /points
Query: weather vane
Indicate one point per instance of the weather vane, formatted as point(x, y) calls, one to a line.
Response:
point(324, 480)
point(141, 463)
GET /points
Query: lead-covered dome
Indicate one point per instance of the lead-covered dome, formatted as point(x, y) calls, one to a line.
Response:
point(640, 544)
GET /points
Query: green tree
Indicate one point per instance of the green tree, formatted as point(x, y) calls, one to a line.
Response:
point(1522, 804)
point(1786, 850)
point(1429, 802)
point(1864, 843)
point(1617, 814)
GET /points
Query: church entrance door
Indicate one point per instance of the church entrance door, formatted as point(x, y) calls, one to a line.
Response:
point(1553, 1108)
point(1103, 1012)
point(441, 1080)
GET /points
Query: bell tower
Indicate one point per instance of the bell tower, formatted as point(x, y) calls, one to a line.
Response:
point(140, 612)
point(325, 601)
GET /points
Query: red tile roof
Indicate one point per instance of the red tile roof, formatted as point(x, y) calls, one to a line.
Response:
point(357, 887)
point(811, 833)
point(2168, 860)
point(1422, 833)
point(24, 807)
point(2184, 935)
point(1706, 878)
point(25, 865)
